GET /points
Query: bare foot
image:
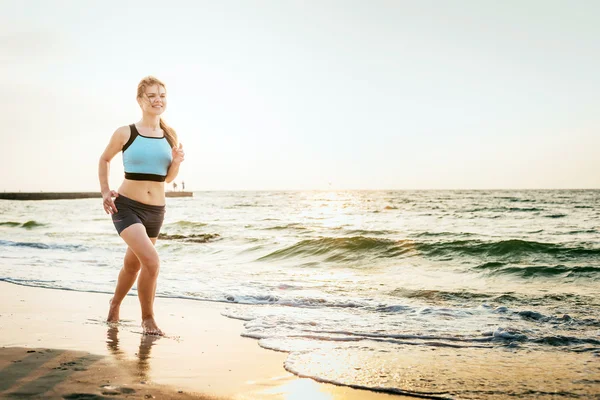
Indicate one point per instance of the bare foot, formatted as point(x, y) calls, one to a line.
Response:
point(150, 327)
point(113, 312)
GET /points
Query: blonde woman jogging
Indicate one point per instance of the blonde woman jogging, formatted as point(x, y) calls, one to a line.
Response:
point(151, 156)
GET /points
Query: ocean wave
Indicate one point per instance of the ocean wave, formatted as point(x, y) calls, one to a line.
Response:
point(563, 341)
point(582, 231)
point(514, 199)
point(27, 225)
point(300, 302)
point(584, 303)
point(343, 248)
point(512, 247)
point(365, 232)
point(436, 234)
point(10, 223)
point(565, 319)
point(263, 329)
point(555, 216)
point(419, 338)
point(44, 246)
point(32, 225)
point(249, 205)
point(194, 238)
point(186, 224)
point(532, 271)
point(501, 336)
point(501, 209)
point(439, 295)
point(295, 226)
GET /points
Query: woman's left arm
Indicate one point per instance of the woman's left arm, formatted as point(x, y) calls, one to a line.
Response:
point(178, 157)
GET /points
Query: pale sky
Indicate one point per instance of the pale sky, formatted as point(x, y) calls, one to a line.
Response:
point(321, 94)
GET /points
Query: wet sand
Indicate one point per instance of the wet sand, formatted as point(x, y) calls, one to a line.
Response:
point(55, 344)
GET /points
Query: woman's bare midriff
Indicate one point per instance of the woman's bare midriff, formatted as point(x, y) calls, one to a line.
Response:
point(147, 192)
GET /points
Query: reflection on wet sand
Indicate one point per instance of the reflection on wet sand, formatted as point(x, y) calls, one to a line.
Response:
point(142, 364)
point(112, 342)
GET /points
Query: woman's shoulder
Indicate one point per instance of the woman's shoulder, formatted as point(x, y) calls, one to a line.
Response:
point(123, 132)
point(122, 135)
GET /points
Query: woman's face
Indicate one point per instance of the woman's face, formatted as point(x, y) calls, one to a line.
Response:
point(154, 100)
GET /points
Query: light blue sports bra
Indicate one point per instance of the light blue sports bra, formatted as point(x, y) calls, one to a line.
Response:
point(146, 158)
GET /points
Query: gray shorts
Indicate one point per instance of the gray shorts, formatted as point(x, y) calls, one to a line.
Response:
point(131, 212)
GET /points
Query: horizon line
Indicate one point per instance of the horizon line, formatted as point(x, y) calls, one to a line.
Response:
point(314, 190)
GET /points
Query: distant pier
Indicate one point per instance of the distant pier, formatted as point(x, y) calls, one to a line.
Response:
point(68, 195)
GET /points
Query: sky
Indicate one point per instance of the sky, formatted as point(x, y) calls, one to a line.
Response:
point(308, 95)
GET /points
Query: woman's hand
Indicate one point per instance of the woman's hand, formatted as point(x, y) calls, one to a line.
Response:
point(108, 203)
point(178, 154)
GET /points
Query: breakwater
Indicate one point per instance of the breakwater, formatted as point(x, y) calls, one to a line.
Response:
point(68, 195)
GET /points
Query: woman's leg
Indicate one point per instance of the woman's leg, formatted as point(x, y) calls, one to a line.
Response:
point(127, 277)
point(153, 240)
point(138, 241)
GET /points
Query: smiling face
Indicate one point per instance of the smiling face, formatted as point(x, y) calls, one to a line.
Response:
point(154, 100)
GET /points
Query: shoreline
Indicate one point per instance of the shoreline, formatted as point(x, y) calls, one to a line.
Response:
point(203, 356)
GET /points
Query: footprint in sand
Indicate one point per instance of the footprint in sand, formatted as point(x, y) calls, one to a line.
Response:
point(116, 390)
point(84, 396)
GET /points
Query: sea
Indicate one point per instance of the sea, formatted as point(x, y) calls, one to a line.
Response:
point(435, 294)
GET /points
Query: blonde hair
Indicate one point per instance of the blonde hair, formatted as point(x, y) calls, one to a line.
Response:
point(170, 133)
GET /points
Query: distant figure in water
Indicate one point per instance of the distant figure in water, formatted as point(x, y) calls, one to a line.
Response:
point(174, 186)
point(152, 155)
point(182, 185)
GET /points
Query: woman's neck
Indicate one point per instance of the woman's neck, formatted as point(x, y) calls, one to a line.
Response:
point(150, 122)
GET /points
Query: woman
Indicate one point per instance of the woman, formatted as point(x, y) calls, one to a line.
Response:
point(151, 156)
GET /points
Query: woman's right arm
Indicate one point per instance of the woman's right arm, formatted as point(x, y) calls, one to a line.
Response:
point(117, 141)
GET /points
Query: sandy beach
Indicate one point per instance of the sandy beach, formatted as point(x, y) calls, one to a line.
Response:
point(56, 345)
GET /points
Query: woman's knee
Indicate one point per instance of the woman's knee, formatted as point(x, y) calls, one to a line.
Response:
point(132, 265)
point(151, 265)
